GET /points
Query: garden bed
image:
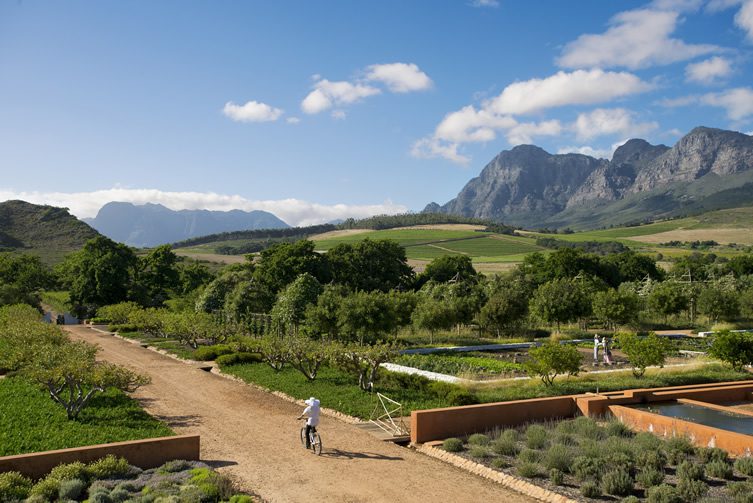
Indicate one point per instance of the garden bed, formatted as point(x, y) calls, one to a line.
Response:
point(32, 422)
point(589, 461)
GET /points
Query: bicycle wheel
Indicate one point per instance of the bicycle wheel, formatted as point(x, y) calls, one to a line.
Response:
point(316, 443)
point(303, 436)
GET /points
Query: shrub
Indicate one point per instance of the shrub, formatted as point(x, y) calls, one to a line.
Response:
point(505, 447)
point(590, 490)
point(241, 498)
point(691, 489)
point(618, 429)
point(109, 467)
point(238, 358)
point(452, 445)
point(69, 471)
point(719, 470)
point(117, 313)
point(536, 436)
point(119, 494)
point(478, 439)
point(744, 466)
point(690, 471)
point(529, 456)
point(552, 359)
point(649, 477)
point(499, 463)
point(630, 499)
point(558, 457)
point(734, 348)
point(100, 497)
point(174, 466)
point(741, 492)
point(647, 441)
point(586, 468)
point(587, 428)
point(654, 459)
point(556, 477)
point(207, 353)
point(479, 452)
point(709, 454)
point(14, 486)
point(123, 328)
point(678, 448)
point(47, 488)
point(644, 351)
point(565, 439)
point(511, 435)
point(664, 493)
point(528, 470)
point(619, 460)
point(71, 489)
point(617, 482)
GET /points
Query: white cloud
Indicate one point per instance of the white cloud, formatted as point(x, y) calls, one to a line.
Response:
point(327, 94)
point(720, 5)
point(744, 18)
point(338, 114)
point(677, 5)
point(608, 121)
point(525, 132)
point(293, 211)
point(485, 3)
point(680, 101)
point(708, 71)
point(471, 125)
point(737, 102)
point(635, 39)
point(581, 87)
point(586, 150)
point(428, 148)
point(293, 120)
point(251, 111)
point(400, 77)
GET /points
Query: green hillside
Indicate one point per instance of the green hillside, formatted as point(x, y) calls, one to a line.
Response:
point(46, 231)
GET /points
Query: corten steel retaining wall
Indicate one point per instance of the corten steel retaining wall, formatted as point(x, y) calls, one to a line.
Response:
point(736, 444)
point(149, 453)
point(438, 424)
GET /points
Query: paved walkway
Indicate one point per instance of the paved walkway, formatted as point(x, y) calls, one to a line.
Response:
point(253, 436)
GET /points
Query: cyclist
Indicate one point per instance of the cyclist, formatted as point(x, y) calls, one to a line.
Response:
point(312, 413)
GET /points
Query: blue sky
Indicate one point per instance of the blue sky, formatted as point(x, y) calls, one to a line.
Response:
point(321, 110)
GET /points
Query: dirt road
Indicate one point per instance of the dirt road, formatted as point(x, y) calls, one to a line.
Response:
point(254, 436)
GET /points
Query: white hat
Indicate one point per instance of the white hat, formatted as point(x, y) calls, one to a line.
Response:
point(312, 401)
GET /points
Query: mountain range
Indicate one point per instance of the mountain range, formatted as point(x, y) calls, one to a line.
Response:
point(707, 169)
point(153, 224)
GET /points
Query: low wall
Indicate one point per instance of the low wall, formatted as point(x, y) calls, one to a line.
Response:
point(701, 435)
point(438, 424)
point(149, 453)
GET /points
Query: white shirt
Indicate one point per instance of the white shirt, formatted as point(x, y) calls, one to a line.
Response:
point(313, 415)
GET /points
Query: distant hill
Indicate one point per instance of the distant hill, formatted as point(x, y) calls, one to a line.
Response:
point(707, 169)
point(46, 231)
point(153, 224)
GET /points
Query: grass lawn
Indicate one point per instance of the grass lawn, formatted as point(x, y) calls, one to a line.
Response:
point(590, 383)
point(335, 388)
point(30, 421)
point(58, 301)
point(170, 345)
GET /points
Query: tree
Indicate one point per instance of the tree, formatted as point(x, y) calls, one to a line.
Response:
point(280, 264)
point(505, 310)
point(365, 316)
point(740, 265)
point(306, 355)
point(25, 272)
point(290, 308)
point(99, 274)
point(364, 361)
point(615, 307)
point(157, 274)
point(632, 266)
point(668, 298)
point(694, 266)
point(214, 296)
point(718, 303)
point(72, 375)
point(193, 275)
point(434, 314)
point(370, 265)
point(560, 301)
point(643, 352)
point(447, 268)
point(14, 294)
point(322, 317)
point(552, 359)
point(734, 348)
point(247, 298)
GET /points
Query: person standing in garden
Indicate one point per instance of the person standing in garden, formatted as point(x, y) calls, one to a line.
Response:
point(607, 350)
point(596, 350)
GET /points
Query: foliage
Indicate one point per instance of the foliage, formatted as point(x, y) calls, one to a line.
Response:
point(590, 489)
point(733, 348)
point(744, 466)
point(322, 318)
point(560, 301)
point(528, 470)
point(506, 308)
point(14, 486)
point(616, 307)
point(109, 466)
point(663, 493)
point(21, 277)
point(719, 469)
point(690, 470)
point(215, 295)
point(157, 274)
point(691, 489)
point(289, 310)
point(364, 361)
point(279, 265)
point(208, 353)
point(366, 316)
point(617, 482)
point(117, 314)
point(643, 352)
point(552, 359)
point(668, 298)
point(478, 439)
point(452, 445)
point(238, 358)
point(369, 265)
point(307, 356)
point(649, 477)
point(448, 267)
point(556, 477)
point(457, 364)
point(719, 303)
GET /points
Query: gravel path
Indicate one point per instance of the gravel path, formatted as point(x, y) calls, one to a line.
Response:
point(253, 436)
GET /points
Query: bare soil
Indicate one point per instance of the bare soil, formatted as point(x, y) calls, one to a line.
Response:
point(723, 236)
point(254, 437)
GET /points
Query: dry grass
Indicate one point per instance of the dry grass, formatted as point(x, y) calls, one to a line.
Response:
point(447, 227)
point(213, 257)
point(338, 234)
point(723, 236)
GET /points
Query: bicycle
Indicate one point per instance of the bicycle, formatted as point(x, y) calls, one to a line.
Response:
point(315, 441)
